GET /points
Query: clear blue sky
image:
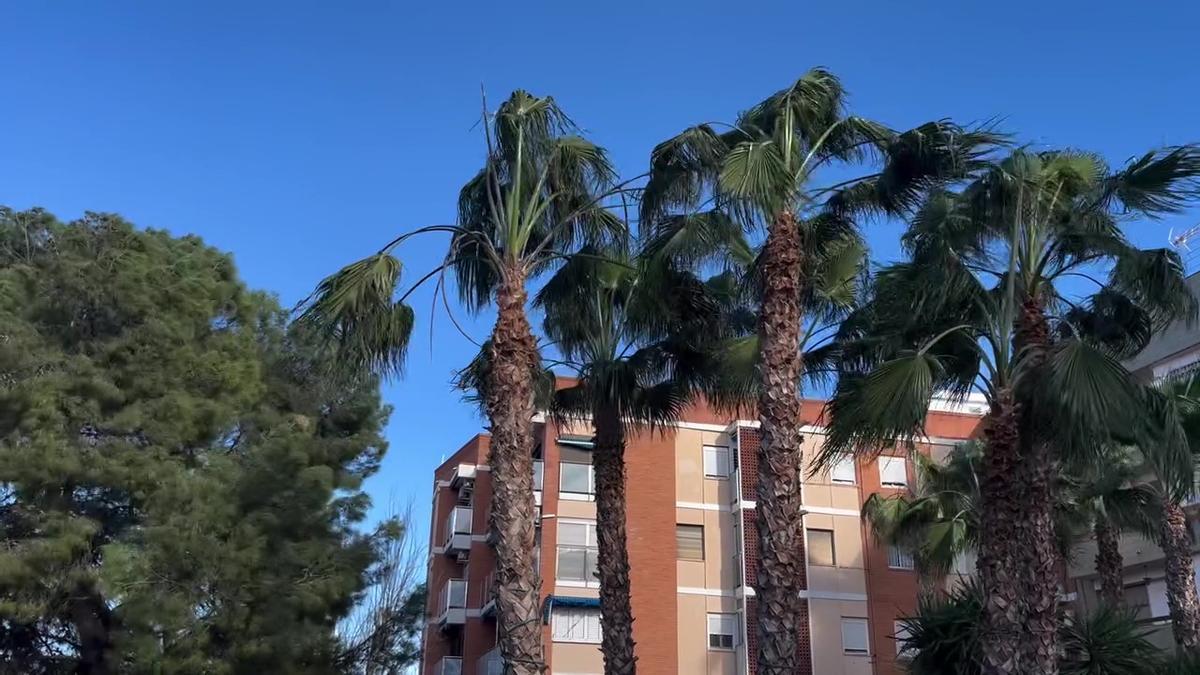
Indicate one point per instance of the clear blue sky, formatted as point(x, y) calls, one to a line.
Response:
point(300, 135)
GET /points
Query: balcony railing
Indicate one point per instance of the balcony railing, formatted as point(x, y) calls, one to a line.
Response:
point(452, 602)
point(449, 665)
point(458, 529)
point(539, 468)
point(485, 594)
point(490, 664)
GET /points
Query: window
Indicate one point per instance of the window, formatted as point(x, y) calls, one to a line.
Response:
point(854, 636)
point(842, 470)
point(820, 548)
point(721, 629)
point(575, 624)
point(893, 471)
point(576, 479)
point(689, 541)
point(901, 633)
point(576, 552)
point(899, 559)
point(716, 461)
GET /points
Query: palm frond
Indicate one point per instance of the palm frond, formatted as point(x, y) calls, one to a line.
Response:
point(1159, 182)
point(885, 407)
point(680, 170)
point(355, 311)
point(698, 238)
point(755, 171)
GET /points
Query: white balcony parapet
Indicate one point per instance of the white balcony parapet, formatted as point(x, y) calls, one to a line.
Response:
point(449, 665)
point(458, 529)
point(452, 603)
point(462, 473)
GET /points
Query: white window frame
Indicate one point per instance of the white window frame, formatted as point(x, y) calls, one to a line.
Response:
point(899, 559)
point(714, 470)
point(580, 625)
point(888, 461)
point(589, 548)
point(842, 466)
point(571, 495)
point(848, 621)
point(722, 622)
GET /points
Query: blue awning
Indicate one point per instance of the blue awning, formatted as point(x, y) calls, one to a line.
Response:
point(565, 601)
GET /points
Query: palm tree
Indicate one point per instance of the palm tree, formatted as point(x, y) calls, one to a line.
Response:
point(1116, 499)
point(538, 196)
point(637, 336)
point(939, 523)
point(974, 307)
point(760, 173)
point(1171, 445)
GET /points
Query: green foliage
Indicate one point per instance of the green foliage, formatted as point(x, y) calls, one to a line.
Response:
point(1108, 642)
point(181, 481)
point(943, 638)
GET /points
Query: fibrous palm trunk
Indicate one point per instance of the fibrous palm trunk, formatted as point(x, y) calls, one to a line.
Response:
point(1181, 581)
point(1109, 563)
point(998, 546)
point(510, 408)
point(616, 613)
point(1039, 559)
point(1039, 564)
point(780, 570)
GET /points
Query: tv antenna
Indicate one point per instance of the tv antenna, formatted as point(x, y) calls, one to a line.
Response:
point(1187, 243)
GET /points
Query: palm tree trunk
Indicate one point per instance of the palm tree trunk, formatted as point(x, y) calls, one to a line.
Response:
point(510, 408)
point(1181, 580)
point(780, 572)
point(616, 614)
point(1109, 563)
point(1035, 525)
point(1039, 563)
point(997, 568)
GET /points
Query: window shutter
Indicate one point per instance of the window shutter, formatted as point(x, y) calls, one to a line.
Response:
point(716, 461)
point(820, 548)
point(893, 471)
point(689, 540)
point(842, 470)
point(854, 636)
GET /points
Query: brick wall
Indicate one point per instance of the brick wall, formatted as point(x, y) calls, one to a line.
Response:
point(650, 523)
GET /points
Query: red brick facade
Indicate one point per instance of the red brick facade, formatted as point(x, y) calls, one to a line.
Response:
point(652, 515)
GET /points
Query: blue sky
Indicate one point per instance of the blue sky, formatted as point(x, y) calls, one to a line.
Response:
point(301, 135)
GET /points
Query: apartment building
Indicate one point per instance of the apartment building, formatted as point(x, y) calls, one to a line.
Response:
point(1171, 354)
point(692, 546)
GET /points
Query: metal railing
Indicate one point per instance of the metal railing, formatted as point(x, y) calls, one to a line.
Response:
point(490, 664)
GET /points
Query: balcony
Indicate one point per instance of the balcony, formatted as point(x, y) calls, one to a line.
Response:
point(487, 595)
point(452, 604)
point(458, 530)
point(462, 474)
point(490, 664)
point(449, 665)
point(538, 469)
